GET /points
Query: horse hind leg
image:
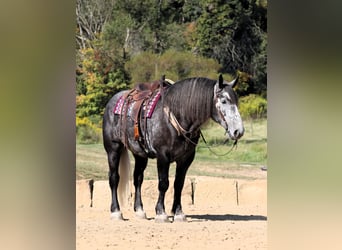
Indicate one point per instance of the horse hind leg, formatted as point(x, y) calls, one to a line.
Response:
point(113, 154)
point(140, 166)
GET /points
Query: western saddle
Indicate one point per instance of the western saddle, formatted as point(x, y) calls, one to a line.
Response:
point(138, 95)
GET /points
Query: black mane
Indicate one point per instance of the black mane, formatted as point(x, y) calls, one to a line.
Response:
point(191, 99)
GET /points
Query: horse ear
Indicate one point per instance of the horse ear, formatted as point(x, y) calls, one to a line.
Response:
point(162, 82)
point(221, 85)
point(233, 83)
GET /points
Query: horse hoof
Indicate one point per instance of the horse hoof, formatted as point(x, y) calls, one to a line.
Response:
point(161, 218)
point(140, 214)
point(180, 218)
point(116, 216)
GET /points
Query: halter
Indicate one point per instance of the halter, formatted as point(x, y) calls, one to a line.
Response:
point(216, 100)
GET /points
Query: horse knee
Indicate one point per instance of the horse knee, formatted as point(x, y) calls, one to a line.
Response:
point(163, 185)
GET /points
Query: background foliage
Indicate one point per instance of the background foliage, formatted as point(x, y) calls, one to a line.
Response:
point(120, 43)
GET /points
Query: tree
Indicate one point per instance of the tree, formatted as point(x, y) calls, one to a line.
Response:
point(234, 33)
point(99, 78)
point(151, 25)
point(91, 16)
point(176, 65)
point(145, 24)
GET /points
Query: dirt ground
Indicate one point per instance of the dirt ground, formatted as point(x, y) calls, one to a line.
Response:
point(226, 214)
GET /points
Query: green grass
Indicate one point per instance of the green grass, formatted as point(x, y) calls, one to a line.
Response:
point(91, 161)
point(251, 148)
point(251, 151)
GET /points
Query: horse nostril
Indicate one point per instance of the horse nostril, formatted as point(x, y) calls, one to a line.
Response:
point(237, 133)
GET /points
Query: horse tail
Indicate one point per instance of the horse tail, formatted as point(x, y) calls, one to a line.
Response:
point(124, 172)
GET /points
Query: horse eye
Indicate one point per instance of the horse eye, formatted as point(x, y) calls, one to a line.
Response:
point(223, 101)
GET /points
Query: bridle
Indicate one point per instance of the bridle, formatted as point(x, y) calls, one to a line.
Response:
point(217, 94)
point(220, 113)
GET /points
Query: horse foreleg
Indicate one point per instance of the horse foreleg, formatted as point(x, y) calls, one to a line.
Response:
point(163, 184)
point(140, 165)
point(181, 169)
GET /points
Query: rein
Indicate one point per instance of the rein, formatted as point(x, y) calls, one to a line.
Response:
point(210, 149)
point(183, 132)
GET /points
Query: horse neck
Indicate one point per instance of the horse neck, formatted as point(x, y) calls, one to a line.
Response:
point(194, 112)
point(192, 125)
point(192, 118)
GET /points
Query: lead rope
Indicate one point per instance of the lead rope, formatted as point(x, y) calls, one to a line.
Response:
point(183, 132)
point(208, 147)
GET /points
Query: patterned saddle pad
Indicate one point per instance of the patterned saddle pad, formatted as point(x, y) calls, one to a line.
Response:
point(147, 107)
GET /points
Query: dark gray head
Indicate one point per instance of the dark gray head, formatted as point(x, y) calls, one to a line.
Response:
point(226, 105)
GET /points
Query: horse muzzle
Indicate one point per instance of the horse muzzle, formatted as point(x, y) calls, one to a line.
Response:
point(236, 134)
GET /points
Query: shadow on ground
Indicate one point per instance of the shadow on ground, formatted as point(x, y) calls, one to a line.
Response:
point(227, 217)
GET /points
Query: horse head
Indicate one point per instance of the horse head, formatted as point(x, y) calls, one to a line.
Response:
point(226, 110)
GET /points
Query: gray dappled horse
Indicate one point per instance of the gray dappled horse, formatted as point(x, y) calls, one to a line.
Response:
point(170, 135)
